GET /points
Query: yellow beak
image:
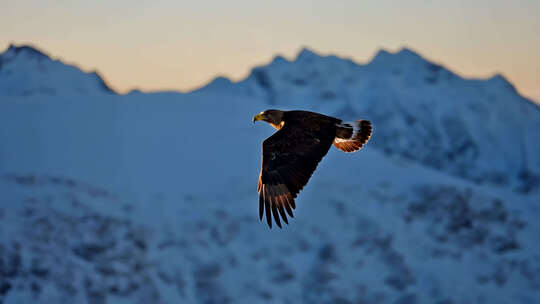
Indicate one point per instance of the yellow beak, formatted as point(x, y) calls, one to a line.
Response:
point(257, 117)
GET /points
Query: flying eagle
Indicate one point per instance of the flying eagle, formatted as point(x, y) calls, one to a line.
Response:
point(290, 155)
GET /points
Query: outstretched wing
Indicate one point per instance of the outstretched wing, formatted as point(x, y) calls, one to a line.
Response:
point(290, 157)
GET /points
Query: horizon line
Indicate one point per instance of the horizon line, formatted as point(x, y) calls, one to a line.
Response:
point(302, 50)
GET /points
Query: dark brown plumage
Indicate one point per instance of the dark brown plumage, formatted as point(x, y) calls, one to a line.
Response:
point(291, 155)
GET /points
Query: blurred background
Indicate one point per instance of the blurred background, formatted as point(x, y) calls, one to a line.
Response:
point(129, 161)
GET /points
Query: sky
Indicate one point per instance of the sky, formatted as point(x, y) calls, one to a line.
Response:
point(181, 45)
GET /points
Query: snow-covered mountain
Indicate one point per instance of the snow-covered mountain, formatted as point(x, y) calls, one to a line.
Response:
point(420, 111)
point(25, 70)
point(150, 198)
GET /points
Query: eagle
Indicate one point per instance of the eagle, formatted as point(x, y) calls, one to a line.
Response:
point(291, 155)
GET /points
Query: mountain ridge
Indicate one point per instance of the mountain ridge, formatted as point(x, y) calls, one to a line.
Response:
point(36, 66)
point(151, 197)
point(421, 110)
point(427, 113)
point(303, 53)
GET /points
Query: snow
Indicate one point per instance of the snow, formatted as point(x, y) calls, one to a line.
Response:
point(428, 113)
point(151, 197)
point(26, 71)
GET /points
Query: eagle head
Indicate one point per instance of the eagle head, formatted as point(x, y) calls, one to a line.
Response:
point(273, 117)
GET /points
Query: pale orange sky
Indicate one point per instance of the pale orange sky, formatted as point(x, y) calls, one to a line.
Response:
point(181, 45)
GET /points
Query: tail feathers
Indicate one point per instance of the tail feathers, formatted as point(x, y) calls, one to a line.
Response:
point(351, 136)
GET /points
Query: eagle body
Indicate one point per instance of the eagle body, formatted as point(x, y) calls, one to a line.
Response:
point(291, 155)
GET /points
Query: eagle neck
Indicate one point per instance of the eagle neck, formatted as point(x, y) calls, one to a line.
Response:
point(278, 126)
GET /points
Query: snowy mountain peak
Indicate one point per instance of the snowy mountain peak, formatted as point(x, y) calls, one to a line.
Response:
point(278, 59)
point(219, 83)
point(306, 55)
point(429, 114)
point(382, 54)
point(403, 57)
point(408, 54)
point(24, 50)
point(501, 81)
point(26, 70)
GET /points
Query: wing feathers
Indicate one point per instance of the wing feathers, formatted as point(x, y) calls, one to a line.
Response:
point(282, 213)
point(267, 207)
point(277, 196)
point(352, 136)
point(288, 208)
point(276, 216)
point(261, 206)
point(275, 199)
point(290, 156)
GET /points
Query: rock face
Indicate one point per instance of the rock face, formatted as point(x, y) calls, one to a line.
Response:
point(140, 198)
